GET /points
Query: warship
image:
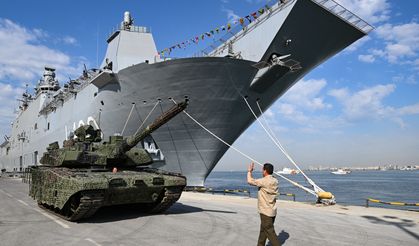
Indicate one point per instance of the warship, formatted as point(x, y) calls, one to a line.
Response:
point(258, 61)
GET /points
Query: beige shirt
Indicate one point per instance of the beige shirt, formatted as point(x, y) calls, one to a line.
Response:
point(268, 190)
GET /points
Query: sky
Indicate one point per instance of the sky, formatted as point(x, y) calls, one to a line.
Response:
point(360, 108)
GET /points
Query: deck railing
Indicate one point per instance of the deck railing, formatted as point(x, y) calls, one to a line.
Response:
point(345, 14)
point(239, 31)
point(139, 29)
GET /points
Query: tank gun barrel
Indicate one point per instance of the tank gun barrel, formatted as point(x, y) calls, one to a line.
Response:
point(133, 140)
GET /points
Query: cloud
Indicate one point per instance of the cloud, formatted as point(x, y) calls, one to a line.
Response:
point(405, 33)
point(368, 104)
point(401, 44)
point(366, 58)
point(69, 40)
point(231, 16)
point(304, 105)
point(415, 64)
point(410, 79)
point(23, 55)
point(8, 98)
point(364, 103)
point(409, 110)
point(292, 112)
point(373, 11)
point(305, 94)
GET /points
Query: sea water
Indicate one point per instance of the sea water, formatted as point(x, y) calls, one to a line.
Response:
point(350, 189)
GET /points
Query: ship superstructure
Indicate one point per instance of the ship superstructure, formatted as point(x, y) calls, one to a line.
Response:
point(259, 61)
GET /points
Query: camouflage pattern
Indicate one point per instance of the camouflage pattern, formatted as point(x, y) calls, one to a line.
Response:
point(55, 186)
point(84, 175)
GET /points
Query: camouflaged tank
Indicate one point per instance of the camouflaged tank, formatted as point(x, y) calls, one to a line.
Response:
point(84, 175)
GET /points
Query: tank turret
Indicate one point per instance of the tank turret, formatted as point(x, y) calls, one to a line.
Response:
point(84, 150)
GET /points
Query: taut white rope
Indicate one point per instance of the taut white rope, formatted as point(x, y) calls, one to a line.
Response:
point(243, 154)
point(142, 124)
point(279, 145)
point(129, 116)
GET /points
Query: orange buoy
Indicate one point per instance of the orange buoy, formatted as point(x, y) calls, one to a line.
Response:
point(325, 195)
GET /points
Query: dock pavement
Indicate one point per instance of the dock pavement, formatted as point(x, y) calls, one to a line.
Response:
point(202, 219)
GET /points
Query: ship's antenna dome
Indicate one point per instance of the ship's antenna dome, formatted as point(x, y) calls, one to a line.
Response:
point(128, 21)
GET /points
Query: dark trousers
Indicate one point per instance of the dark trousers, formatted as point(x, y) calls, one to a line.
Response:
point(267, 231)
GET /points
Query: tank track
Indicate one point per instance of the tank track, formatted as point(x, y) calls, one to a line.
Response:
point(171, 195)
point(90, 202)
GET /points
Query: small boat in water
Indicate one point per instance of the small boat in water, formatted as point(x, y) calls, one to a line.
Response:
point(341, 172)
point(287, 170)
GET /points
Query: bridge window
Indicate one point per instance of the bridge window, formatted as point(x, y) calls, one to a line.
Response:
point(35, 157)
point(20, 163)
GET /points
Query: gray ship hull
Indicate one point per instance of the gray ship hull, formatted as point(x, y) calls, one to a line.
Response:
point(217, 101)
point(213, 101)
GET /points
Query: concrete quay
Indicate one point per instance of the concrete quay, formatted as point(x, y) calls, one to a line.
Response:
point(202, 219)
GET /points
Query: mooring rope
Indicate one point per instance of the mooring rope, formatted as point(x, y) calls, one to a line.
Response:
point(129, 116)
point(243, 154)
point(279, 145)
point(142, 124)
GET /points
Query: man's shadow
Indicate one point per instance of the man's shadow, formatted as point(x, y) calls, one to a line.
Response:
point(282, 237)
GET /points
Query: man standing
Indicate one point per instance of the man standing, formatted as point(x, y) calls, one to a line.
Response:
point(268, 190)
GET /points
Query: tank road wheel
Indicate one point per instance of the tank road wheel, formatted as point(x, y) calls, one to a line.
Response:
point(88, 202)
point(79, 206)
point(170, 196)
point(70, 207)
point(74, 204)
point(82, 205)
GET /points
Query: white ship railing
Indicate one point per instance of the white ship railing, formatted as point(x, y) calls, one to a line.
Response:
point(239, 31)
point(345, 14)
point(139, 29)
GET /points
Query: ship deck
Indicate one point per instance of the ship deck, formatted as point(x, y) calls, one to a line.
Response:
point(203, 219)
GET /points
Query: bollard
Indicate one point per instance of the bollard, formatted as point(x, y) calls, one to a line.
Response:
point(288, 194)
